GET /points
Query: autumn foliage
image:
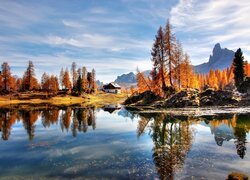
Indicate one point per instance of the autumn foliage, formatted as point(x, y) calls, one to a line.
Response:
point(49, 83)
point(172, 70)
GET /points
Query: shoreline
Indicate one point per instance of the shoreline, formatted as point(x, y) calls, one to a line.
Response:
point(98, 99)
point(194, 111)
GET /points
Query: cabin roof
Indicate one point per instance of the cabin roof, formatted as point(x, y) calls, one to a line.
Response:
point(112, 85)
point(115, 85)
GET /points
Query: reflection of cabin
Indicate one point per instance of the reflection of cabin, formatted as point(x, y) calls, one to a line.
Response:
point(111, 107)
point(112, 88)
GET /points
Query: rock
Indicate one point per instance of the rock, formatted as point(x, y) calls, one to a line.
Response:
point(144, 98)
point(237, 176)
point(211, 97)
point(183, 98)
point(245, 86)
point(187, 98)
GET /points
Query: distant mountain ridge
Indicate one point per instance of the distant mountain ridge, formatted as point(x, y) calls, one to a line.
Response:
point(126, 78)
point(129, 78)
point(220, 59)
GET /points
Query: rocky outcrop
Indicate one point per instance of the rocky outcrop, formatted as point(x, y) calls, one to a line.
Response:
point(145, 98)
point(217, 98)
point(194, 98)
point(245, 86)
point(185, 98)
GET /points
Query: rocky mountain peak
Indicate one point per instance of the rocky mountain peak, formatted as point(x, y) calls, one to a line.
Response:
point(221, 58)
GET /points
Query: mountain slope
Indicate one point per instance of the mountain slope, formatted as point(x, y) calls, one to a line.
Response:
point(220, 59)
point(130, 77)
point(126, 78)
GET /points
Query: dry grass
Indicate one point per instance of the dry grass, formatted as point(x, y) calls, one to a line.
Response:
point(98, 99)
point(102, 98)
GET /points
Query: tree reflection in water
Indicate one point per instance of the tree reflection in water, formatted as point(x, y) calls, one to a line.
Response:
point(82, 118)
point(79, 120)
point(172, 140)
point(240, 132)
point(172, 136)
point(230, 127)
point(7, 119)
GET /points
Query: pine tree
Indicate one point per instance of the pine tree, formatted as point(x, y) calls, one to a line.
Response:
point(79, 85)
point(54, 85)
point(29, 80)
point(179, 60)
point(169, 46)
point(142, 82)
point(186, 72)
point(45, 82)
point(12, 84)
point(238, 64)
point(93, 86)
point(89, 78)
point(159, 64)
point(84, 79)
point(19, 84)
point(66, 81)
point(6, 75)
point(61, 78)
point(74, 74)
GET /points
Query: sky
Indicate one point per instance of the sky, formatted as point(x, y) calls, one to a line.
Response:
point(114, 36)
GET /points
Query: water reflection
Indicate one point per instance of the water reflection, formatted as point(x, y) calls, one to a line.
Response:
point(172, 140)
point(76, 119)
point(173, 136)
point(231, 127)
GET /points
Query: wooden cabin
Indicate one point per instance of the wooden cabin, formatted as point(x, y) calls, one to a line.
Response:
point(112, 88)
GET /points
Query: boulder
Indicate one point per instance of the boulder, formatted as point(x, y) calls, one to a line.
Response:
point(237, 176)
point(245, 86)
point(145, 98)
point(212, 97)
point(184, 98)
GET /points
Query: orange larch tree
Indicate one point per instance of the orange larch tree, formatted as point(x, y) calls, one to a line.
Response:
point(142, 82)
point(29, 80)
point(66, 81)
point(6, 76)
point(169, 46)
point(186, 72)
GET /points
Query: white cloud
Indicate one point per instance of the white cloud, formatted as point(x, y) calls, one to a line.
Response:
point(73, 24)
point(18, 15)
point(98, 10)
point(100, 41)
point(209, 22)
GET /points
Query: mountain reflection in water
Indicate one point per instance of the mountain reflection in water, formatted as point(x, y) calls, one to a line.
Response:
point(172, 137)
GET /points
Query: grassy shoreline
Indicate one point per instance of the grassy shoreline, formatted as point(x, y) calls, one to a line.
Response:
point(98, 99)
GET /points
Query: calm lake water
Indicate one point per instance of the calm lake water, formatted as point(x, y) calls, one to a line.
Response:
point(88, 143)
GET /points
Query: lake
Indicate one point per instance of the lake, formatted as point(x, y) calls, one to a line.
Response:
point(113, 143)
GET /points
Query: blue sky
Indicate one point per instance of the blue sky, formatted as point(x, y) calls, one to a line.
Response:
point(114, 36)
